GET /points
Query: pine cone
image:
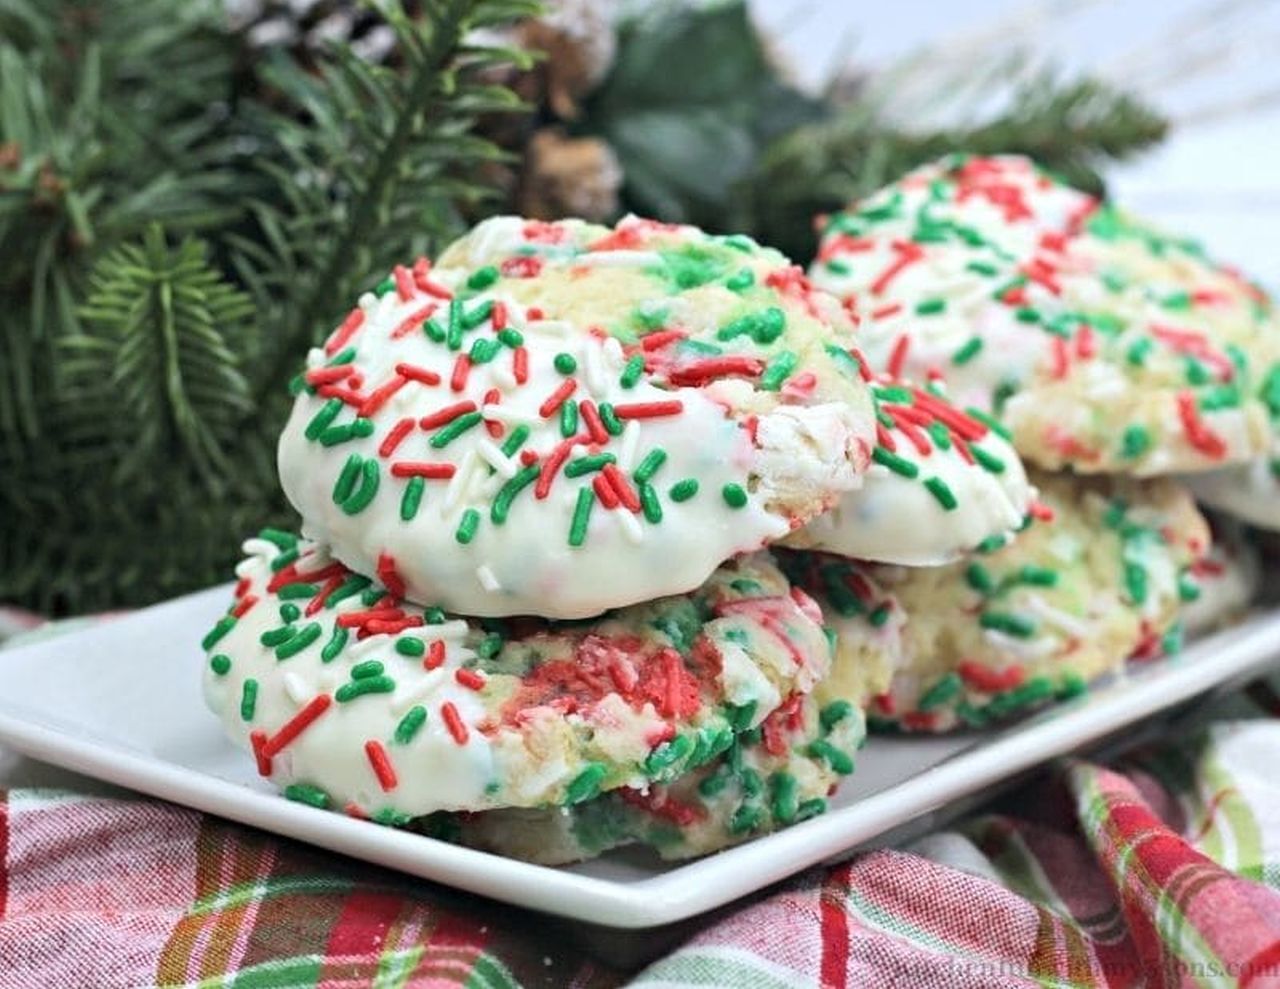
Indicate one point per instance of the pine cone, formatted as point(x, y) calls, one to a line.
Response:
point(566, 176)
point(579, 41)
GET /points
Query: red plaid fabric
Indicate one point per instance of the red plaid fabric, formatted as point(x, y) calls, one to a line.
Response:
point(1163, 875)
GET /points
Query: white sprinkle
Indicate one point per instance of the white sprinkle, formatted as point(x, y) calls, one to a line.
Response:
point(496, 459)
point(509, 415)
point(502, 375)
point(459, 483)
point(367, 301)
point(298, 691)
point(1037, 648)
point(427, 686)
point(619, 259)
point(455, 629)
point(613, 353)
point(362, 647)
point(630, 524)
point(263, 548)
point(627, 449)
point(487, 579)
point(1055, 616)
point(592, 371)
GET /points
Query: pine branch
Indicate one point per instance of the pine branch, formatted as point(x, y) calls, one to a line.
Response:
point(1070, 129)
point(370, 164)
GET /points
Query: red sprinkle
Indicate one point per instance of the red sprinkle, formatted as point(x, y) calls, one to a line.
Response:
point(604, 491)
point(1086, 342)
point(621, 487)
point(990, 681)
point(520, 365)
point(700, 372)
point(470, 679)
point(1199, 435)
point(413, 321)
point(908, 253)
point(1061, 358)
point(885, 438)
point(557, 398)
point(444, 416)
point(422, 375)
point(317, 602)
point(648, 410)
point(884, 312)
point(345, 395)
point(258, 740)
point(864, 369)
point(387, 573)
point(898, 356)
point(243, 605)
point(388, 626)
point(521, 267)
point(328, 375)
point(656, 341)
point(528, 457)
point(295, 726)
point(551, 466)
point(1041, 512)
point(380, 396)
point(340, 336)
point(355, 810)
point(453, 721)
point(962, 425)
point(461, 369)
point(395, 437)
point(404, 283)
point(381, 763)
point(594, 424)
point(435, 655)
point(422, 468)
point(498, 317)
point(354, 619)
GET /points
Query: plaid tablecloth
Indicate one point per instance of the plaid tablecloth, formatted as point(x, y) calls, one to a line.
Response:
point(1164, 871)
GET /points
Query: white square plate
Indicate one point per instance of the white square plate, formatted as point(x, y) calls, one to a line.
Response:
point(121, 701)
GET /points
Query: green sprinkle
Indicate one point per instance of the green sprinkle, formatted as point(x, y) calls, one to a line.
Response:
point(745, 819)
point(282, 539)
point(467, 526)
point(358, 688)
point(734, 495)
point(837, 760)
point(940, 490)
point(511, 337)
point(306, 635)
point(778, 370)
point(586, 784)
point(489, 646)
point(897, 464)
point(305, 793)
point(347, 478)
point(410, 647)
point(979, 578)
point(993, 424)
point(357, 429)
point(412, 498)
point(1171, 641)
point(1135, 581)
point(410, 724)
point(1138, 351)
point(1037, 576)
point(434, 331)
point(360, 499)
point(298, 384)
point(484, 350)
point(1070, 685)
point(352, 585)
point(335, 645)
point(385, 286)
point(483, 277)
point(785, 800)
point(249, 699)
point(740, 282)
point(369, 668)
point(982, 268)
point(988, 461)
point(289, 612)
point(568, 419)
point(880, 614)
point(581, 516)
point(477, 315)
point(434, 616)
point(291, 592)
point(612, 424)
point(1027, 315)
point(565, 363)
point(1009, 623)
point(320, 422)
point(967, 352)
point(647, 467)
point(811, 808)
point(588, 464)
point(272, 637)
point(507, 494)
point(220, 664)
point(632, 371)
point(683, 490)
point(1188, 589)
point(667, 755)
point(447, 434)
point(221, 627)
point(284, 559)
point(1135, 441)
point(516, 440)
point(740, 716)
point(649, 503)
point(941, 692)
point(928, 307)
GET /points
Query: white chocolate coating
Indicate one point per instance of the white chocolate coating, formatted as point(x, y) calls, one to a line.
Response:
point(1250, 492)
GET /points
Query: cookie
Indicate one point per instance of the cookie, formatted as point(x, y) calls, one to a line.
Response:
point(941, 483)
point(563, 418)
point(1250, 493)
point(1224, 582)
point(773, 776)
point(1098, 576)
point(350, 697)
point(1104, 345)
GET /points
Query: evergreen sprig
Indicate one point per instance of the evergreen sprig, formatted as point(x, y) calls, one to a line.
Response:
point(1071, 128)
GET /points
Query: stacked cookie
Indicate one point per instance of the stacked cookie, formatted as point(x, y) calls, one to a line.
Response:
point(538, 482)
point(1110, 354)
